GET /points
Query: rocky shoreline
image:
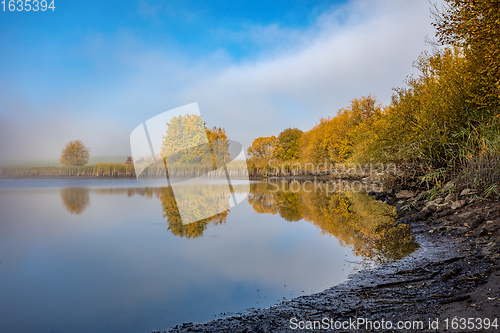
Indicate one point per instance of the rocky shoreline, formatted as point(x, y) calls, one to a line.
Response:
point(455, 274)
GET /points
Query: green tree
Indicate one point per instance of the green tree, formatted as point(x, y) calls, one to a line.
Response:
point(288, 146)
point(74, 154)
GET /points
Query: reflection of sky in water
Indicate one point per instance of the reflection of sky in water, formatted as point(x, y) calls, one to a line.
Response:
point(115, 267)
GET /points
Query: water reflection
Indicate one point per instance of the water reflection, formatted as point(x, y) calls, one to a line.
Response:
point(175, 224)
point(193, 200)
point(357, 220)
point(75, 199)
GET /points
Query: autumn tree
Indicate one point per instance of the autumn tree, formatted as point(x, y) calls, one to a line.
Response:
point(288, 145)
point(262, 147)
point(474, 25)
point(74, 154)
point(342, 130)
point(334, 138)
point(314, 142)
point(219, 144)
point(187, 141)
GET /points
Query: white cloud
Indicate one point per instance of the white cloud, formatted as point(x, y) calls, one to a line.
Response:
point(369, 52)
point(364, 47)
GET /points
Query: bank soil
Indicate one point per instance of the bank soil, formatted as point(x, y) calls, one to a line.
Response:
point(454, 274)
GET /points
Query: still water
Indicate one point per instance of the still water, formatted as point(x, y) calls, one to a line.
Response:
point(94, 255)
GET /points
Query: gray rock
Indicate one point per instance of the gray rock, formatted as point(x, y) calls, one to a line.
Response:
point(449, 198)
point(457, 204)
point(405, 194)
point(466, 215)
point(435, 202)
point(466, 191)
point(431, 208)
point(438, 200)
point(448, 186)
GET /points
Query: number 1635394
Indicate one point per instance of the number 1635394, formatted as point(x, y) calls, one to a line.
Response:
point(27, 5)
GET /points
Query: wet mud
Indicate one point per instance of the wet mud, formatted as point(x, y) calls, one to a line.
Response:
point(454, 274)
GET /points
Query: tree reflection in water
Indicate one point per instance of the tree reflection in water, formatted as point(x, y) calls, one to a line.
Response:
point(368, 226)
point(75, 199)
point(357, 220)
point(175, 225)
point(208, 195)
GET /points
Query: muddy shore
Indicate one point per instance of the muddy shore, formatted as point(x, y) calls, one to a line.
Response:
point(455, 274)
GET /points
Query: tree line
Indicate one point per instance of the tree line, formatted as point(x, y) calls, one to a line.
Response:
point(447, 116)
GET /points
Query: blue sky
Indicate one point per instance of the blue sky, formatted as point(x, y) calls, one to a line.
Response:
point(65, 48)
point(93, 70)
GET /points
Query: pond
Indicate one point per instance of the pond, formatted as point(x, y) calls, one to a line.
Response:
point(94, 255)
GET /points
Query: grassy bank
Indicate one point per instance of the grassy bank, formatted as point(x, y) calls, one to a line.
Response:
point(98, 170)
point(119, 170)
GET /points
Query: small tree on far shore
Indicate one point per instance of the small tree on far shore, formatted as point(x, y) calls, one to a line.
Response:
point(74, 154)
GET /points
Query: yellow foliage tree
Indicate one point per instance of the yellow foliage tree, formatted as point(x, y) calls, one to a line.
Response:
point(262, 147)
point(474, 25)
point(74, 154)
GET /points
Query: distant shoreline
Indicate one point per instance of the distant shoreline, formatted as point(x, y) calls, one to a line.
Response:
point(116, 170)
point(100, 170)
point(62, 177)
